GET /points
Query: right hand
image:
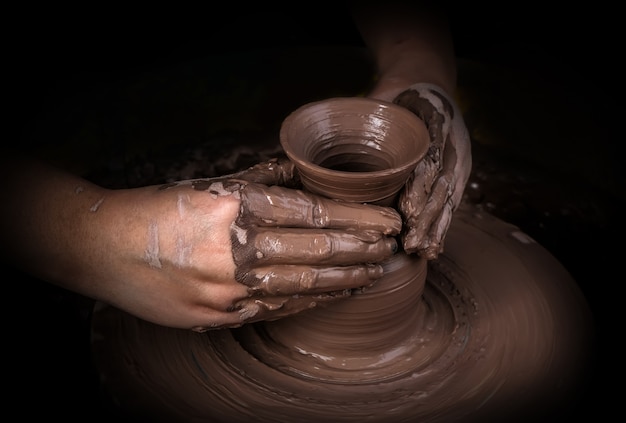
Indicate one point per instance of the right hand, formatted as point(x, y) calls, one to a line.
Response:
point(436, 187)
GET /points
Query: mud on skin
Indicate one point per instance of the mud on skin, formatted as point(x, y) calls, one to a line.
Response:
point(295, 250)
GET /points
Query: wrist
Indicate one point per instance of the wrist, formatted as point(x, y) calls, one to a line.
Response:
point(388, 88)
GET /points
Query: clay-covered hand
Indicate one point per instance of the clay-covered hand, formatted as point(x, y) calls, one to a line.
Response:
point(252, 251)
point(436, 187)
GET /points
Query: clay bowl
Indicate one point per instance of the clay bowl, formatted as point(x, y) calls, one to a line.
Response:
point(354, 148)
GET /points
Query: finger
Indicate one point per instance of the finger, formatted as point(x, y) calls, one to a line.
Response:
point(456, 178)
point(297, 279)
point(416, 235)
point(278, 206)
point(261, 246)
point(251, 310)
point(272, 308)
point(278, 171)
point(219, 320)
point(434, 243)
point(417, 190)
point(432, 108)
point(429, 245)
point(463, 166)
point(255, 309)
point(423, 232)
point(446, 127)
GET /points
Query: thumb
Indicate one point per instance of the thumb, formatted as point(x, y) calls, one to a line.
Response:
point(277, 171)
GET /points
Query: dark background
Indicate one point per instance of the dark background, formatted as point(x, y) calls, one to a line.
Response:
point(522, 66)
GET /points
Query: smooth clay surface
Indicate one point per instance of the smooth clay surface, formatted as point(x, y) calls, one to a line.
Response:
point(354, 148)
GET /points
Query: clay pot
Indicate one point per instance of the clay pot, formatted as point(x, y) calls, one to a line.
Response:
point(357, 150)
point(353, 148)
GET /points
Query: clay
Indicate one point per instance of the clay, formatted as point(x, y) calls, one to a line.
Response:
point(494, 328)
point(354, 149)
point(287, 241)
point(498, 331)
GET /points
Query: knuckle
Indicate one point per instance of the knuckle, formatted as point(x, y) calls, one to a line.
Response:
point(320, 213)
point(308, 280)
point(322, 246)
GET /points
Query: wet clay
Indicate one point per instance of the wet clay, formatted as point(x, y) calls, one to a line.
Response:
point(354, 149)
point(493, 328)
point(498, 330)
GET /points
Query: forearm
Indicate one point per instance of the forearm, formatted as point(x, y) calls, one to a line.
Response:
point(49, 222)
point(410, 42)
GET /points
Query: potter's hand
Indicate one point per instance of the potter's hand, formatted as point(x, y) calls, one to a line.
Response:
point(195, 254)
point(279, 251)
point(436, 187)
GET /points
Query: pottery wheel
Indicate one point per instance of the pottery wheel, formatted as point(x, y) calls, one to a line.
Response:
point(500, 330)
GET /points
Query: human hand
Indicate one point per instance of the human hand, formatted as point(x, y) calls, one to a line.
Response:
point(232, 250)
point(436, 187)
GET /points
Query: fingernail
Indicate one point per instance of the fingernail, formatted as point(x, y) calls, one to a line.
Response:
point(375, 271)
point(392, 244)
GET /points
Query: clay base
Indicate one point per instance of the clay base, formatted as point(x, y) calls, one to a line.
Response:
point(500, 331)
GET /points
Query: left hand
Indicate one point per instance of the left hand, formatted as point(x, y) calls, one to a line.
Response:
point(257, 248)
point(436, 187)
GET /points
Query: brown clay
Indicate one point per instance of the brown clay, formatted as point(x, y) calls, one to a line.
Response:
point(354, 149)
point(492, 327)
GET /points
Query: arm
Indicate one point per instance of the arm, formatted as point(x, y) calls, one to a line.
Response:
point(190, 254)
point(413, 50)
point(410, 43)
point(113, 245)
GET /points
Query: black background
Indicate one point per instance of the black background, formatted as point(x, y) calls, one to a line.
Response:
point(49, 369)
